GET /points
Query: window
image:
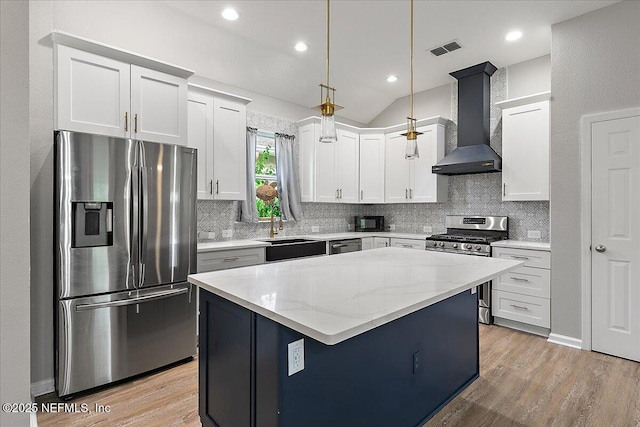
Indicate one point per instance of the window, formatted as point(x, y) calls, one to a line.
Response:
point(266, 171)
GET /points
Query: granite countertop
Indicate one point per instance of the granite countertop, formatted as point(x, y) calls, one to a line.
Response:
point(334, 298)
point(220, 245)
point(520, 244)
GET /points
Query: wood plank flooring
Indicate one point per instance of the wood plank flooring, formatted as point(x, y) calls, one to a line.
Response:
point(524, 381)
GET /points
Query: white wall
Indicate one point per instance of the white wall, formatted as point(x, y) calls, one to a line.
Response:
point(428, 103)
point(529, 77)
point(595, 68)
point(152, 30)
point(14, 209)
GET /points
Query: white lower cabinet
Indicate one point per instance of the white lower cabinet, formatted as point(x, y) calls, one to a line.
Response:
point(231, 258)
point(523, 295)
point(367, 243)
point(409, 243)
point(381, 242)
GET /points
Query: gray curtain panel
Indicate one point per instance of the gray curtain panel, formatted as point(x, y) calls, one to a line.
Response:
point(288, 191)
point(248, 209)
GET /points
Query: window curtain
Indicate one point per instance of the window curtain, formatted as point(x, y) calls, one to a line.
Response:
point(288, 191)
point(248, 209)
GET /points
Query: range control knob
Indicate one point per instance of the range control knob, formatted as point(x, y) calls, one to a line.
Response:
point(478, 247)
point(441, 244)
point(432, 243)
point(467, 246)
point(455, 245)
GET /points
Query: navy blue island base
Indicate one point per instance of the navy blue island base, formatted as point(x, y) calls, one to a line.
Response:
point(399, 374)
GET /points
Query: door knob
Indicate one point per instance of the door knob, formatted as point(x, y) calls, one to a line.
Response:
point(601, 248)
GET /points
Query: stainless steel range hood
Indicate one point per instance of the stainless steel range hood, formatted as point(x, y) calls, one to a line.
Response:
point(473, 153)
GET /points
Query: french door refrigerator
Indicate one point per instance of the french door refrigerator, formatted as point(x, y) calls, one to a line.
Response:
point(125, 241)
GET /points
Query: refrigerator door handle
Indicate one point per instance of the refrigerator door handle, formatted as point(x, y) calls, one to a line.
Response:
point(131, 301)
point(133, 223)
point(144, 221)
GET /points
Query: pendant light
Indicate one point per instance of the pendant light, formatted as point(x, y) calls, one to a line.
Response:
point(411, 152)
point(327, 102)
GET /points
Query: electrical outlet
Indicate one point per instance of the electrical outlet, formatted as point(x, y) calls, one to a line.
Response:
point(427, 229)
point(295, 352)
point(392, 227)
point(227, 233)
point(206, 235)
point(533, 234)
point(315, 229)
point(349, 227)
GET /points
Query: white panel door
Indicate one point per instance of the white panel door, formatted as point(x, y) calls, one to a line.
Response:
point(159, 106)
point(397, 169)
point(616, 237)
point(229, 150)
point(200, 136)
point(326, 182)
point(427, 187)
point(380, 242)
point(525, 152)
point(308, 135)
point(347, 166)
point(92, 93)
point(372, 168)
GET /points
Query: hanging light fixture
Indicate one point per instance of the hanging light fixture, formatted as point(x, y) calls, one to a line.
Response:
point(411, 152)
point(327, 102)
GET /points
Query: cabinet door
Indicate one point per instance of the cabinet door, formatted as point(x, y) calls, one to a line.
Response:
point(229, 150)
point(308, 135)
point(380, 242)
point(200, 136)
point(347, 166)
point(408, 243)
point(525, 152)
point(92, 93)
point(397, 169)
point(159, 106)
point(428, 187)
point(372, 168)
point(367, 243)
point(326, 183)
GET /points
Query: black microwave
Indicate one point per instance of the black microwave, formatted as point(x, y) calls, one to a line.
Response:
point(369, 223)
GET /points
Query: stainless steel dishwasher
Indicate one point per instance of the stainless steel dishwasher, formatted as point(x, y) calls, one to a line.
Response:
point(344, 246)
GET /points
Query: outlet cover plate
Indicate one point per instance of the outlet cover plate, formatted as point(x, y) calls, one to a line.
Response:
point(315, 229)
point(392, 227)
point(227, 233)
point(534, 234)
point(427, 229)
point(295, 352)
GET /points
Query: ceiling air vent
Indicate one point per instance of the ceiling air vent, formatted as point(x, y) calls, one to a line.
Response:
point(446, 48)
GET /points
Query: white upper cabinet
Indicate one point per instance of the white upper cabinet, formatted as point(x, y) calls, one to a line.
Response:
point(159, 106)
point(336, 169)
point(525, 148)
point(307, 134)
point(217, 128)
point(411, 181)
point(229, 149)
point(372, 154)
point(106, 91)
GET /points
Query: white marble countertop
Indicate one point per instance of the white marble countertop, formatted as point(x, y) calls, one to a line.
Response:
point(521, 244)
point(334, 298)
point(220, 245)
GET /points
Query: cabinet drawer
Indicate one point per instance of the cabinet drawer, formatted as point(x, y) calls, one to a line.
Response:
point(535, 282)
point(409, 243)
point(521, 308)
point(531, 258)
point(223, 260)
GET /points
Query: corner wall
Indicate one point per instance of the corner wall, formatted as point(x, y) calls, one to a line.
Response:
point(14, 209)
point(595, 68)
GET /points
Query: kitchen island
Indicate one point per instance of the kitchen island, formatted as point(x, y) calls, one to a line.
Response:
point(389, 336)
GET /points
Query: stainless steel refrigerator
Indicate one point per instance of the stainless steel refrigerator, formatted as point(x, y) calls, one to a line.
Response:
point(125, 241)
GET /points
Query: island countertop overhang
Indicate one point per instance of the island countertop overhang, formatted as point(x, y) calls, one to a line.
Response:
point(334, 298)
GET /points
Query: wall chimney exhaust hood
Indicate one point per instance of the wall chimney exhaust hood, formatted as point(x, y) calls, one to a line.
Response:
point(473, 153)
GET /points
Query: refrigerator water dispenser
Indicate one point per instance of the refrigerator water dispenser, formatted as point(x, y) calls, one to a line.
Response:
point(92, 224)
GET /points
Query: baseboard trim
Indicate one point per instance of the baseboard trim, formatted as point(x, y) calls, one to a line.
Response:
point(43, 387)
point(33, 420)
point(524, 327)
point(565, 340)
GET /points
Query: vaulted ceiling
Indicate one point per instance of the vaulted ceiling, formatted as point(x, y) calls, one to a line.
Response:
point(369, 41)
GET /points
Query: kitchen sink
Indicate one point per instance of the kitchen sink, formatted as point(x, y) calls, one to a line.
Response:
point(282, 249)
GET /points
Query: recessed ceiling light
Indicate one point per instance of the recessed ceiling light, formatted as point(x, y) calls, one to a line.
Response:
point(301, 46)
point(513, 36)
point(392, 78)
point(230, 14)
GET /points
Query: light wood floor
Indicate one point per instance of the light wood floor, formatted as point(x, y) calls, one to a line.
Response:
point(524, 381)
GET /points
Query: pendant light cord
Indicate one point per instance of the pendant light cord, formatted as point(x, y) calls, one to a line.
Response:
point(411, 96)
point(328, 28)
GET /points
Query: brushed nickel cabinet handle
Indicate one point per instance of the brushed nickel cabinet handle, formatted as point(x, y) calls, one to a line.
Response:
point(361, 194)
point(126, 121)
point(217, 186)
point(210, 186)
point(135, 123)
point(504, 188)
point(406, 193)
point(233, 258)
point(519, 257)
point(411, 193)
point(519, 307)
point(520, 279)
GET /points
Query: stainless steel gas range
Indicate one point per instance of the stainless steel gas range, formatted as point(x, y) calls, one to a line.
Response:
point(472, 235)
